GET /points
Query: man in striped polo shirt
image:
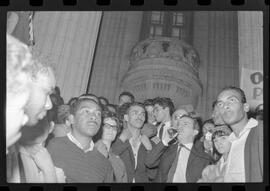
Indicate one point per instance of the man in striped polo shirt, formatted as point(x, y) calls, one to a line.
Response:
point(75, 153)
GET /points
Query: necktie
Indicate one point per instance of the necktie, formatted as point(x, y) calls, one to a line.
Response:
point(161, 131)
point(173, 167)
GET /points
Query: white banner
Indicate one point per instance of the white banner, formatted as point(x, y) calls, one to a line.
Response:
point(252, 84)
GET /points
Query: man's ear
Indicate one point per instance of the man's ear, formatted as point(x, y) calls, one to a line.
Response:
point(67, 122)
point(246, 107)
point(195, 132)
point(167, 109)
point(126, 117)
point(51, 127)
point(71, 119)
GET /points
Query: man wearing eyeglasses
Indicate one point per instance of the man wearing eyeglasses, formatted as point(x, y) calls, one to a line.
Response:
point(245, 160)
point(75, 153)
point(184, 160)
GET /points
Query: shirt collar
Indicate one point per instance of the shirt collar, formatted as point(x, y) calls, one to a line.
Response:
point(250, 124)
point(187, 145)
point(167, 124)
point(78, 144)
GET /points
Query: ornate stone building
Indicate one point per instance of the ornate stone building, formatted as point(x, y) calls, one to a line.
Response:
point(187, 56)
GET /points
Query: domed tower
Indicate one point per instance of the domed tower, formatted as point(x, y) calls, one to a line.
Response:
point(164, 67)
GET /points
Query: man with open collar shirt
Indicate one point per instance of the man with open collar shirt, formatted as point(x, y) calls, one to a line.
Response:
point(132, 146)
point(182, 161)
point(163, 110)
point(75, 153)
point(245, 160)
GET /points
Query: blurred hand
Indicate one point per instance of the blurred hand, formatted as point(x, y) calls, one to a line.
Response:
point(42, 158)
point(101, 147)
point(125, 135)
point(167, 138)
point(146, 142)
point(149, 130)
point(155, 139)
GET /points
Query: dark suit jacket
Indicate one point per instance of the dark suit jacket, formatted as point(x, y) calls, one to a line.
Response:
point(124, 151)
point(254, 154)
point(162, 157)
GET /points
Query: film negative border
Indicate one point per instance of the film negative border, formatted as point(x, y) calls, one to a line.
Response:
point(130, 4)
point(133, 5)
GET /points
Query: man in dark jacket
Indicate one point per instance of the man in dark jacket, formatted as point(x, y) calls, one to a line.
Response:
point(182, 161)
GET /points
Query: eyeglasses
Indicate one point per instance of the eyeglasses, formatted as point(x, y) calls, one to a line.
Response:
point(109, 126)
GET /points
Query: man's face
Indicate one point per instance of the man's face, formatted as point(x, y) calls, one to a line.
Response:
point(160, 113)
point(150, 114)
point(15, 116)
point(177, 115)
point(135, 117)
point(222, 144)
point(124, 99)
point(231, 108)
point(40, 101)
point(87, 118)
point(186, 129)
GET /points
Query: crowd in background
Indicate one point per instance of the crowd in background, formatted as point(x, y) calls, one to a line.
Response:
point(89, 139)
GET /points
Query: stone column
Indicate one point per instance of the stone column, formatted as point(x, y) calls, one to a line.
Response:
point(68, 39)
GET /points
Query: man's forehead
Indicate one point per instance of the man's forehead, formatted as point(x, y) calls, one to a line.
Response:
point(186, 119)
point(229, 93)
point(125, 97)
point(88, 104)
point(180, 112)
point(137, 108)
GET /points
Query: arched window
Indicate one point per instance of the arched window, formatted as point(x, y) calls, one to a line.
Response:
point(168, 24)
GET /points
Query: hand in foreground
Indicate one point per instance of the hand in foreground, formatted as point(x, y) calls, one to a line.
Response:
point(125, 135)
point(146, 142)
point(149, 130)
point(42, 158)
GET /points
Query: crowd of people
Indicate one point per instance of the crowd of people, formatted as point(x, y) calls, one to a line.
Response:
point(90, 140)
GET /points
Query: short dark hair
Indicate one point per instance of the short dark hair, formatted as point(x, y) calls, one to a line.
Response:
point(91, 96)
point(208, 121)
point(220, 133)
point(238, 90)
point(103, 99)
point(165, 102)
point(72, 101)
point(148, 102)
point(127, 94)
point(214, 104)
point(76, 105)
point(129, 105)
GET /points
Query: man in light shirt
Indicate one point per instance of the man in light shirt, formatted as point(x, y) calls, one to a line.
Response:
point(245, 160)
point(182, 161)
